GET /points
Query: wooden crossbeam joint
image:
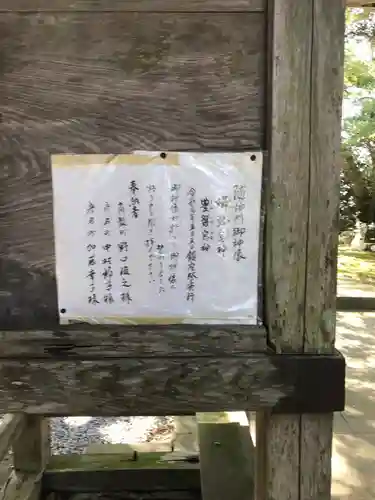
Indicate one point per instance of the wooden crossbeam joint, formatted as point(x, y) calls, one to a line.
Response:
point(319, 383)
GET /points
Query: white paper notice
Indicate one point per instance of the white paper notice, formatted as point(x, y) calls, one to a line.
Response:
point(158, 238)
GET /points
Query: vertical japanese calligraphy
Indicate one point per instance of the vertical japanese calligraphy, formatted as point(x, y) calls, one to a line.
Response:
point(107, 271)
point(150, 242)
point(123, 248)
point(222, 221)
point(134, 200)
point(239, 231)
point(192, 252)
point(173, 228)
point(91, 250)
point(206, 223)
point(173, 237)
point(160, 256)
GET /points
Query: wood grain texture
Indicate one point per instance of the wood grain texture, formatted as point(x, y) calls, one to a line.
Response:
point(225, 463)
point(277, 444)
point(31, 449)
point(132, 495)
point(316, 453)
point(142, 479)
point(89, 341)
point(288, 182)
point(291, 462)
point(138, 387)
point(295, 452)
point(287, 190)
point(172, 386)
point(10, 428)
point(21, 487)
point(132, 5)
point(360, 3)
point(327, 79)
point(327, 88)
point(110, 83)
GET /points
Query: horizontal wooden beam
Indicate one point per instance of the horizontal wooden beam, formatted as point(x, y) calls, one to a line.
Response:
point(355, 304)
point(178, 385)
point(132, 5)
point(137, 341)
point(137, 478)
point(360, 3)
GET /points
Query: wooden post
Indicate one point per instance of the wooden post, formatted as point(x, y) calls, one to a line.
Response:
point(306, 79)
point(226, 460)
point(32, 448)
point(30, 454)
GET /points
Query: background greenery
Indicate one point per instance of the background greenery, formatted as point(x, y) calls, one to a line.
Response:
point(358, 148)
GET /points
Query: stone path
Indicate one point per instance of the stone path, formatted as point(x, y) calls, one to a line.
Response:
point(349, 288)
point(353, 462)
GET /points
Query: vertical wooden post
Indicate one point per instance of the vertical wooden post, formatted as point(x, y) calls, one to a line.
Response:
point(31, 450)
point(289, 54)
point(306, 77)
point(324, 196)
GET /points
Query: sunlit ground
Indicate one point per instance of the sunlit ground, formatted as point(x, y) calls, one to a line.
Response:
point(114, 432)
point(356, 269)
point(75, 434)
point(353, 461)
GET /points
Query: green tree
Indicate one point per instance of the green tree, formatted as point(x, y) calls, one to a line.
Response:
point(358, 172)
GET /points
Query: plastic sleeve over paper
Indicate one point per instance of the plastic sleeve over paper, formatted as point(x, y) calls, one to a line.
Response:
point(157, 238)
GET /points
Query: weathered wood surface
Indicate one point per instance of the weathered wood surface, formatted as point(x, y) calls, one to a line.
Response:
point(360, 3)
point(287, 184)
point(83, 341)
point(180, 477)
point(294, 452)
point(10, 428)
point(109, 476)
point(31, 449)
point(226, 464)
point(133, 495)
point(327, 77)
point(166, 386)
point(88, 83)
point(327, 80)
point(128, 450)
point(103, 462)
point(355, 304)
point(24, 487)
point(277, 457)
point(132, 5)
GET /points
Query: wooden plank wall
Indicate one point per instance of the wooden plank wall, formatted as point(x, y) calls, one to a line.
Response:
point(294, 452)
point(138, 76)
point(132, 6)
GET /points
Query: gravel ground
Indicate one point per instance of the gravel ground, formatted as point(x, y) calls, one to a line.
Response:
point(74, 434)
